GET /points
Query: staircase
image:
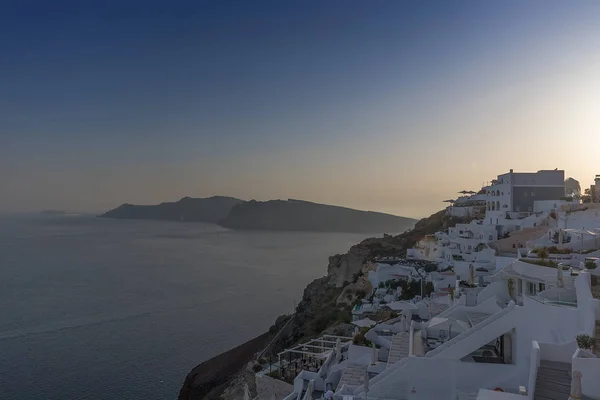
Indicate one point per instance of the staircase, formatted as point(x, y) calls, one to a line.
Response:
point(354, 375)
point(553, 381)
point(399, 348)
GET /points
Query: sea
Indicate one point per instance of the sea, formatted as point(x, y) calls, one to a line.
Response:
point(95, 308)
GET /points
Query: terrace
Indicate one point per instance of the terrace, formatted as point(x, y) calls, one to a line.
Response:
point(310, 356)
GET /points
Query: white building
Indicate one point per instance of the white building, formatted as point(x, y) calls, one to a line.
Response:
point(507, 340)
point(516, 192)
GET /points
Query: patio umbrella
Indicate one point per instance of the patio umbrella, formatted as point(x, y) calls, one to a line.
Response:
point(559, 277)
point(309, 390)
point(374, 355)
point(338, 350)
point(246, 392)
point(575, 386)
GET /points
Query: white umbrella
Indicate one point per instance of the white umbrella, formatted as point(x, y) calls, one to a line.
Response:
point(559, 277)
point(246, 392)
point(374, 356)
point(309, 390)
point(575, 386)
point(338, 350)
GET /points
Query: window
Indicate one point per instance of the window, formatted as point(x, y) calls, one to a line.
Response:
point(532, 194)
point(520, 286)
point(530, 209)
point(541, 287)
point(518, 208)
point(525, 194)
point(531, 288)
point(490, 237)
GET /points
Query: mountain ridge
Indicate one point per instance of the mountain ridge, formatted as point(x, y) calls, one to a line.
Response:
point(301, 215)
point(274, 215)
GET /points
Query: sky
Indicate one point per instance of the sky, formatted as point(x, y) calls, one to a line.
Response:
point(389, 106)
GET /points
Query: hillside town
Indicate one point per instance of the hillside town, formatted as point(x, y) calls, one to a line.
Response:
point(504, 305)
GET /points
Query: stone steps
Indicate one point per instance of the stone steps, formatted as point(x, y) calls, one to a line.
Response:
point(354, 375)
point(545, 377)
point(553, 381)
point(399, 348)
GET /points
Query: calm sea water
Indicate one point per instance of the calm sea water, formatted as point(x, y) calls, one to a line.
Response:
point(94, 308)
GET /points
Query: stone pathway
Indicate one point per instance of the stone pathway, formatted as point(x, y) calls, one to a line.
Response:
point(399, 348)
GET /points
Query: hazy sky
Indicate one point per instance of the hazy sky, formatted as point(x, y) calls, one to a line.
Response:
point(384, 105)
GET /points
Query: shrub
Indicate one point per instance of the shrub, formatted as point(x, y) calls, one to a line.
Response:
point(590, 265)
point(556, 250)
point(542, 253)
point(429, 288)
point(543, 263)
point(585, 342)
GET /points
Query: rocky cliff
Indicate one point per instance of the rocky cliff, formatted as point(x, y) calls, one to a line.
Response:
point(307, 216)
point(343, 268)
point(327, 301)
point(211, 210)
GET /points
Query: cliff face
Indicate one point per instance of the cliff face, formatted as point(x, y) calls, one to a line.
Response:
point(212, 210)
point(307, 216)
point(344, 268)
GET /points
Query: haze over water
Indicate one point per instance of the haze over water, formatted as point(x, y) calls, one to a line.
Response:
point(116, 309)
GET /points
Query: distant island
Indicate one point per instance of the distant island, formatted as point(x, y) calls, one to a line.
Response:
point(276, 215)
point(306, 216)
point(211, 210)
